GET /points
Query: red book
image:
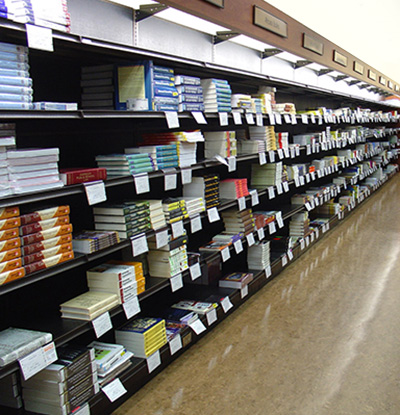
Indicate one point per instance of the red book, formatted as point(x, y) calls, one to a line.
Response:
point(80, 175)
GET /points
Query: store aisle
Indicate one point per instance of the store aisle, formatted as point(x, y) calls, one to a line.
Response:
point(320, 339)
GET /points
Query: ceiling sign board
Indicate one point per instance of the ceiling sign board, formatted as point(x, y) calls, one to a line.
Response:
point(358, 68)
point(219, 3)
point(339, 58)
point(382, 80)
point(313, 44)
point(269, 22)
point(396, 88)
point(390, 84)
point(371, 75)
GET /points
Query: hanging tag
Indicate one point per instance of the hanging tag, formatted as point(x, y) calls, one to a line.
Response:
point(161, 239)
point(268, 271)
point(195, 224)
point(223, 119)
point(197, 326)
point(142, 184)
point(250, 239)
point(259, 120)
point(153, 361)
point(304, 118)
point(244, 291)
point(39, 38)
point(213, 215)
point(102, 324)
point(231, 163)
point(225, 254)
point(237, 117)
point(172, 119)
point(170, 179)
point(131, 307)
point(114, 390)
point(95, 192)
point(250, 118)
point(271, 119)
point(211, 317)
point(186, 176)
point(175, 344)
point(238, 246)
point(195, 271)
point(226, 304)
point(271, 228)
point(176, 282)
point(254, 197)
point(199, 117)
point(271, 155)
point(262, 158)
point(177, 229)
point(139, 244)
point(271, 192)
point(261, 234)
point(242, 203)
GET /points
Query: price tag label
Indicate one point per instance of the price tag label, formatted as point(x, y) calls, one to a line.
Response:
point(195, 271)
point(213, 215)
point(294, 120)
point(170, 179)
point(312, 175)
point(226, 304)
point(161, 239)
point(279, 188)
point(259, 120)
point(176, 282)
point(285, 186)
point(272, 119)
point(280, 153)
point(296, 182)
point(284, 261)
point(292, 152)
point(308, 149)
point(250, 239)
point(308, 177)
point(153, 361)
point(290, 255)
point(114, 390)
point(199, 117)
point(316, 233)
point(244, 292)
point(197, 326)
point(312, 237)
point(250, 118)
point(175, 344)
point(279, 220)
point(238, 246)
point(271, 192)
point(278, 118)
point(39, 37)
point(237, 118)
point(261, 234)
point(312, 116)
point(262, 158)
point(268, 271)
point(131, 307)
point(142, 184)
point(242, 203)
point(308, 206)
point(307, 240)
point(172, 119)
point(211, 317)
point(36, 361)
point(254, 197)
point(286, 152)
point(297, 148)
point(223, 119)
point(225, 254)
point(102, 324)
point(271, 228)
point(319, 120)
point(287, 118)
point(304, 118)
point(231, 163)
point(177, 229)
point(186, 176)
point(271, 155)
point(139, 244)
point(95, 192)
point(301, 178)
point(195, 224)
point(302, 244)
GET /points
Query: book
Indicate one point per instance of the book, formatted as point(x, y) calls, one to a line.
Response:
point(236, 280)
point(42, 225)
point(199, 307)
point(46, 234)
point(48, 262)
point(75, 175)
point(12, 275)
point(106, 354)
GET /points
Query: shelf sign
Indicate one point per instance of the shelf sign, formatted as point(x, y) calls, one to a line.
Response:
point(382, 80)
point(339, 58)
point(390, 84)
point(358, 68)
point(396, 88)
point(269, 22)
point(313, 44)
point(371, 75)
point(218, 3)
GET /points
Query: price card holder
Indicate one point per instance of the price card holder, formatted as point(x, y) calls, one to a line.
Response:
point(272, 119)
point(238, 246)
point(231, 163)
point(142, 184)
point(139, 244)
point(186, 176)
point(250, 239)
point(279, 220)
point(195, 224)
point(280, 153)
point(268, 271)
point(36, 361)
point(287, 118)
point(312, 237)
point(296, 182)
point(176, 282)
point(262, 158)
point(271, 192)
point(95, 192)
point(250, 118)
point(290, 255)
point(114, 390)
point(131, 307)
point(161, 239)
point(301, 178)
point(308, 206)
point(153, 361)
point(199, 117)
point(242, 203)
point(292, 153)
point(226, 304)
point(175, 344)
point(197, 326)
point(304, 118)
point(271, 228)
point(102, 324)
point(244, 292)
point(279, 188)
point(177, 229)
point(259, 120)
point(284, 260)
point(308, 177)
point(307, 240)
point(237, 117)
point(278, 118)
point(170, 179)
point(271, 155)
point(254, 197)
point(312, 116)
point(302, 244)
point(285, 186)
point(223, 119)
point(39, 38)
point(211, 317)
point(294, 120)
point(261, 234)
point(225, 254)
point(213, 215)
point(195, 271)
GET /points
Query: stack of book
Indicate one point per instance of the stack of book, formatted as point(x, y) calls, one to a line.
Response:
point(7, 142)
point(33, 170)
point(63, 385)
point(266, 134)
point(329, 208)
point(222, 143)
point(87, 242)
point(176, 319)
point(142, 336)
point(110, 360)
point(139, 275)
point(190, 93)
point(46, 237)
point(163, 156)
point(257, 105)
point(198, 307)
point(194, 205)
point(217, 95)
point(169, 260)
point(282, 140)
point(237, 280)
point(115, 279)
point(15, 84)
point(299, 226)
point(227, 238)
point(157, 217)
point(242, 102)
point(233, 189)
point(251, 146)
point(266, 175)
point(216, 246)
point(238, 221)
point(128, 218)
point(117, 165)
point(174, 209)
point(258, 255)
point(206, 187)
point(88, 305)
point(165, 97)
point(300, 199)
point(10, 392)
point(97, 87)
point(263, 218)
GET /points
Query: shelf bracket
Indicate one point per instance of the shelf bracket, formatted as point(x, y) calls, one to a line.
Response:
point(267, 53)
point(324, 72)
point(302, 63)
point(353, 82)
point(340, 77)
point(148, 10)
point(223, 36)
point(363, 86)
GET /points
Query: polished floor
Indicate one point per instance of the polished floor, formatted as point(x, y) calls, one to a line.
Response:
point(323, 338)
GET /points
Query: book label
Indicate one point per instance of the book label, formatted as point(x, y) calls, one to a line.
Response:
point(304, 118)
point(95, 192)
point(199, 117)
point(261, 234)
point(195, 271)
point(223, 119)
point(213, 215)
point(153, 361)
point(161, 239)
point(172, 119)
point(139, 244)
point(238, 246)
point(102, 324)
point(244, 292)
point(39, 38)
point(195, 224)
point(242, 203)
point(131, 307)
point(231, 163)
point(36, 361)
point(259, 120)
point(114, 390)
point(186, 176)
point(177, 229)
point(226, 304)
point(197, 326)
point(254, 197)
point(237, 118)
point(250, 118)
point(225, 254)
point(262, 158)
point(268, 271)
point(170, 179)
point(211, 317)
point(250, 239)
point(176, 282)
point(175, 344)
point(142, 184)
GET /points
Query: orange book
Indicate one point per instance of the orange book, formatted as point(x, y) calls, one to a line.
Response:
point(11, 275)
point(9, 234)
point(10, 244)
point(43, 225)
point(9, 212)
point(47, 234)
point(48, 262)
point(9, 223)
point(46, 244)
point(44, 214)
point(47, 253)
point(10, 255)
point(10, 265)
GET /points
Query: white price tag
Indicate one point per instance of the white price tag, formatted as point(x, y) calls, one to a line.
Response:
point(83, 409)
point(297, 148)
point(195, 224)
point(319, 120)
point(286, 152)
point(161, 239)
point(131, 307)
point(312, 175)
point(278, 118)
point(279, 188)
point(287, 118)
point(308, 149)
point(242, 203)
point(296, 182)
point(175, 344)
point(271, 155)
point(226, 304)
point(285, 186)
point(294, 120)
point(250, 118)
point(250, 239)
point(225, 254)
point(308, 177)
point(271, 192)
point(271, 228)
point(223, 119)
point(290, 255)
point(268, 271)
point(36, 361)
point(259, 120)
point(261, 234)
point(172, 119)
point(272, 119)
point(197, 326)
point(186, 176)
point(244, 292)
point(176, 282)
point(39, 37)
point(312, 237)
point(292, 152)
point(139, 244)
point(316, 233)
point(199, 117)
point(95, 192)
point(237, 117)
point(280, 153)
point(307, 240)
point(254, 197)
point(177, 229)
point(301, 178)
point(284, 260)
point(195, 271)
point(312, 116)
point(302, 244)
point(279, 219)
point(238, 246)
point(304, 118)
point(114, 390)
point(211, 317)
point(213, 215)
point(231, 163)
point(262, 158)
point(308, 206)
point(142, 184)
point(153, 361)
point(102, 324)
point(170, 180)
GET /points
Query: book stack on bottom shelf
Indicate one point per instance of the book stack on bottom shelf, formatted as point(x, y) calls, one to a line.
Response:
point(237, 280)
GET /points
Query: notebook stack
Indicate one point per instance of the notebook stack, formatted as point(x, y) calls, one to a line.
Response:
point(266, 134)
point(88, 305)
point(194, 205)
point(206, 187)
point(65, 384)
point(236, 280)
point(87, 242)
point(299, 226)
point(222, 143)
point(163, 156)
point(169, 260)
point(190, 93)
point(233, 189)
point(258, 255)
point(128, 218)
point(15, 84)
point(238, 221)
point(110, 360)
point(46, 237)
point(97, 87)
point(266, 175)
point(174, 209)
point(118, 165)
point(217, 95)
point(10, 392)
point(142, 336)
point(7, 142)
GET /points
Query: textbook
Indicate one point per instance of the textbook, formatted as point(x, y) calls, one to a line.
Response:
point(236, 280)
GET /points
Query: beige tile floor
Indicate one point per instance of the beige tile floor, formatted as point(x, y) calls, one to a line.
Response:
point(323, 338)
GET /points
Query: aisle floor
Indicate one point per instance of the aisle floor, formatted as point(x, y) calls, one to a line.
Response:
point(320, 339)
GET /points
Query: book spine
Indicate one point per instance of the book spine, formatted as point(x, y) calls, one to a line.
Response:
point(48, 262)
point(47, 234)
point(6, 64)
point(10, 265)
point(46, 244)
point(46, 253)
point(43, 225)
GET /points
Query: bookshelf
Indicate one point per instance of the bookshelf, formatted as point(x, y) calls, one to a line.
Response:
point(96, 131)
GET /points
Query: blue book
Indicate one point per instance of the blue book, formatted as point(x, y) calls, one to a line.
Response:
point(14, 72)
point(187, 80)
point(18, 90)
point(189, 89)
point(164, 77)
point(15, 57)
point(16, 98)
point(15, 80)
point(191, 107)
point(163, 83)
point(166, 100)
point(190, 98)
point(165, 91)
point(10, 105)
point(5, 64)
point(165, 107)
point(163, 69)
